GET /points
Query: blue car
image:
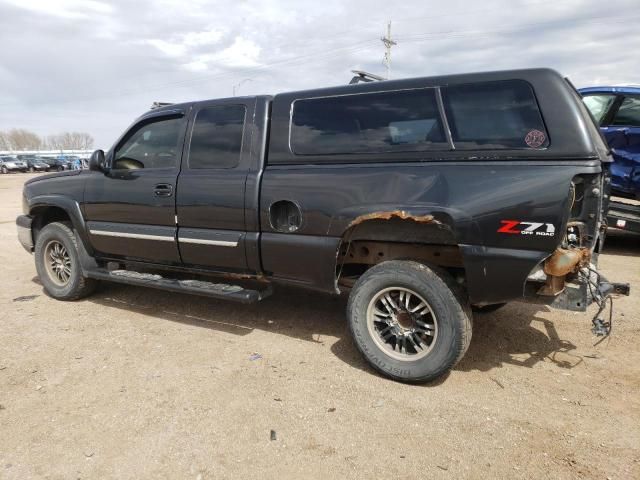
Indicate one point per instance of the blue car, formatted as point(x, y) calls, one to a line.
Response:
point(617, 111)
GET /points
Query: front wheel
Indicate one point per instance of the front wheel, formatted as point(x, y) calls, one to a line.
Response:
point(4, 169)
point(58, 263)
point(409, 321)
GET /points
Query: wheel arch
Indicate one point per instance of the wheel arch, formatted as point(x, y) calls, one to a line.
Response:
point(380, 236)
point(46, 209)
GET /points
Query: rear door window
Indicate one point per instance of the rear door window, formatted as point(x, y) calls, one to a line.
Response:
point(494, 116)
point(628, 114)
point(404, 120)
point(216, 140)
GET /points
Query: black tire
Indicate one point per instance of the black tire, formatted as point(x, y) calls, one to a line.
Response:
point(60, 168)
point(32, 169)
point(447, 303)
point(487, 308)
point(76, 286)
point(4, 170)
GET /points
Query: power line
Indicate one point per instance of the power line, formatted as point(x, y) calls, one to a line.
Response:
point(187, 82)
point(334, 36)
point(351, 31)
point(452, 33)
point(358, 46)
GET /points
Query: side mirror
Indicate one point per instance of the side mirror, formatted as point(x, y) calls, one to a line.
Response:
point(96, 162)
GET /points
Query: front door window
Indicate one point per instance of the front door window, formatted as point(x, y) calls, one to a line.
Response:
point(153, 145)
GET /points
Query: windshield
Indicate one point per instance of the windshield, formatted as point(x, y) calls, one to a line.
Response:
point(599, 105)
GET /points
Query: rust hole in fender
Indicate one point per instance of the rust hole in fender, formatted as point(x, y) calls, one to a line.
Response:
point(401, 214)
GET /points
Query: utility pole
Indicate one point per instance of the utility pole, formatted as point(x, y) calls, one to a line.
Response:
point(388, 43)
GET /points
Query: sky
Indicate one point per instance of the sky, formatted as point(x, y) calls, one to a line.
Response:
point(94, 66)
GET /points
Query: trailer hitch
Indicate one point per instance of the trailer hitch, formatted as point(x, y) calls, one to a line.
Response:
point(602, 294)
point(608, 288)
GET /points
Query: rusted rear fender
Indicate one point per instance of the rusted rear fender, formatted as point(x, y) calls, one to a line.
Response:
point(434, 215)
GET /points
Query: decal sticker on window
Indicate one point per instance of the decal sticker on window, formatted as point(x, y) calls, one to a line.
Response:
point(517, 227)
point(535, 138)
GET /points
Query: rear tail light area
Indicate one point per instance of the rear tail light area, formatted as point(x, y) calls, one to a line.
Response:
point(585, 211)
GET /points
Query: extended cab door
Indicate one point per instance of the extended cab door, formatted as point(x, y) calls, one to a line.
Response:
point(212, 183)
point(130, 210)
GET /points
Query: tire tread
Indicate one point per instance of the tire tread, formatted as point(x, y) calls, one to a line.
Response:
point(452, 294)
point(84, 286)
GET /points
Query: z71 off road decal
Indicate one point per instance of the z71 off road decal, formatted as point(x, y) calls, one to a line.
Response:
point(527, 228)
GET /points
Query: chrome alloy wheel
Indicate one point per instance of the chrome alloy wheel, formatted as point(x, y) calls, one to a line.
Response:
point(402, 324)
point(57, 262)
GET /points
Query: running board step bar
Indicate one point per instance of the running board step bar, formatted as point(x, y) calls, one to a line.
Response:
point(197, 287)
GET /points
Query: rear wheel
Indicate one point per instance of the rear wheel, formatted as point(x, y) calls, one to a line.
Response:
point(410, 322)
point(58, 263)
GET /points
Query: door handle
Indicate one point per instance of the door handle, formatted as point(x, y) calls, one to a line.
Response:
point(163, 190)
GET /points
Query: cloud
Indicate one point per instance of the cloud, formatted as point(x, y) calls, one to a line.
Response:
point(92, 65)
point(183, 44)
point(64, 8)
point(242, 53)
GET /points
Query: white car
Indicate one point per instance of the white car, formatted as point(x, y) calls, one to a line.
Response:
point(11, 164)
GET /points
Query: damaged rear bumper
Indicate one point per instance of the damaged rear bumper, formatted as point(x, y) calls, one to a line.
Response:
point(574, 291)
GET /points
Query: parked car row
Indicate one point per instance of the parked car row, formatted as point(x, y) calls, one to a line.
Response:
point(12, 164)
point(34, 163)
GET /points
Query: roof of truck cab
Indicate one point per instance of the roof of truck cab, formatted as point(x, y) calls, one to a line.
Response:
point(624, 89)
point(184, 106)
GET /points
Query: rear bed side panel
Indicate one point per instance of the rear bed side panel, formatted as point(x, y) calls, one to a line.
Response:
point(472, 193)
point(473, 199)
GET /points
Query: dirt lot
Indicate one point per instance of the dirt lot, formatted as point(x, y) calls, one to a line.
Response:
point(137, 383)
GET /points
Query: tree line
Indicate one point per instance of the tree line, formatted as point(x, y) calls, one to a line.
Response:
point(21, 139)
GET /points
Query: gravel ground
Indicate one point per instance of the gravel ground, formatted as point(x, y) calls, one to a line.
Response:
point(137, 383)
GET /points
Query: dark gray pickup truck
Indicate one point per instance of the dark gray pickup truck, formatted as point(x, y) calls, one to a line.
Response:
point(421, 199)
